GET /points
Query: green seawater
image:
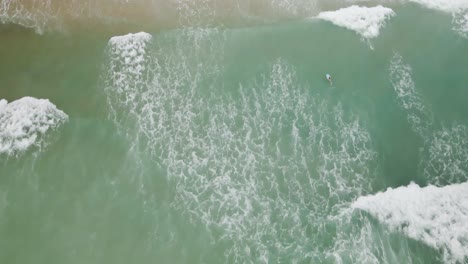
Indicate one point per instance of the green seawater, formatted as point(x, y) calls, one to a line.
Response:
point(229, 145)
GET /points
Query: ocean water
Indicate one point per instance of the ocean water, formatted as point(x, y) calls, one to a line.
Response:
point(205, 131)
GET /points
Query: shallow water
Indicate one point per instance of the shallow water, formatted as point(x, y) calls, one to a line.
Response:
point(226, 144)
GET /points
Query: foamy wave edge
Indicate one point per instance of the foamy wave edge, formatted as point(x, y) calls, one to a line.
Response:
point(436, 216)
point(25, 121)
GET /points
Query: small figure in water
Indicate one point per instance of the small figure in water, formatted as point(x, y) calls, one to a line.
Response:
point(329, 79)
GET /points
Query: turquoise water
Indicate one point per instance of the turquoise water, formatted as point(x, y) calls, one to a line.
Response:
point(227, 144)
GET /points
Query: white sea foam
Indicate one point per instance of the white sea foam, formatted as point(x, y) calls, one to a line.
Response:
point(12, 11)
point(436, 216)
point(23, 122)
point(128, 65)
point(446, 156)
point(366, 21)
point(128, 41)
point(129, 58)
point(419, 116)
point(243, 169)
point(228, 158)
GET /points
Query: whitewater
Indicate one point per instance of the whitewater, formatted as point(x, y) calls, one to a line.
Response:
point(200, 131)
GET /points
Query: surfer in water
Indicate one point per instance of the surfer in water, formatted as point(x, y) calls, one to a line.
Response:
point(329, 79)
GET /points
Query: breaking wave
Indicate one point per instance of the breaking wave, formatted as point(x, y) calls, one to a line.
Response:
point(436, 216)
point(25, 122)
point(365, 21)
